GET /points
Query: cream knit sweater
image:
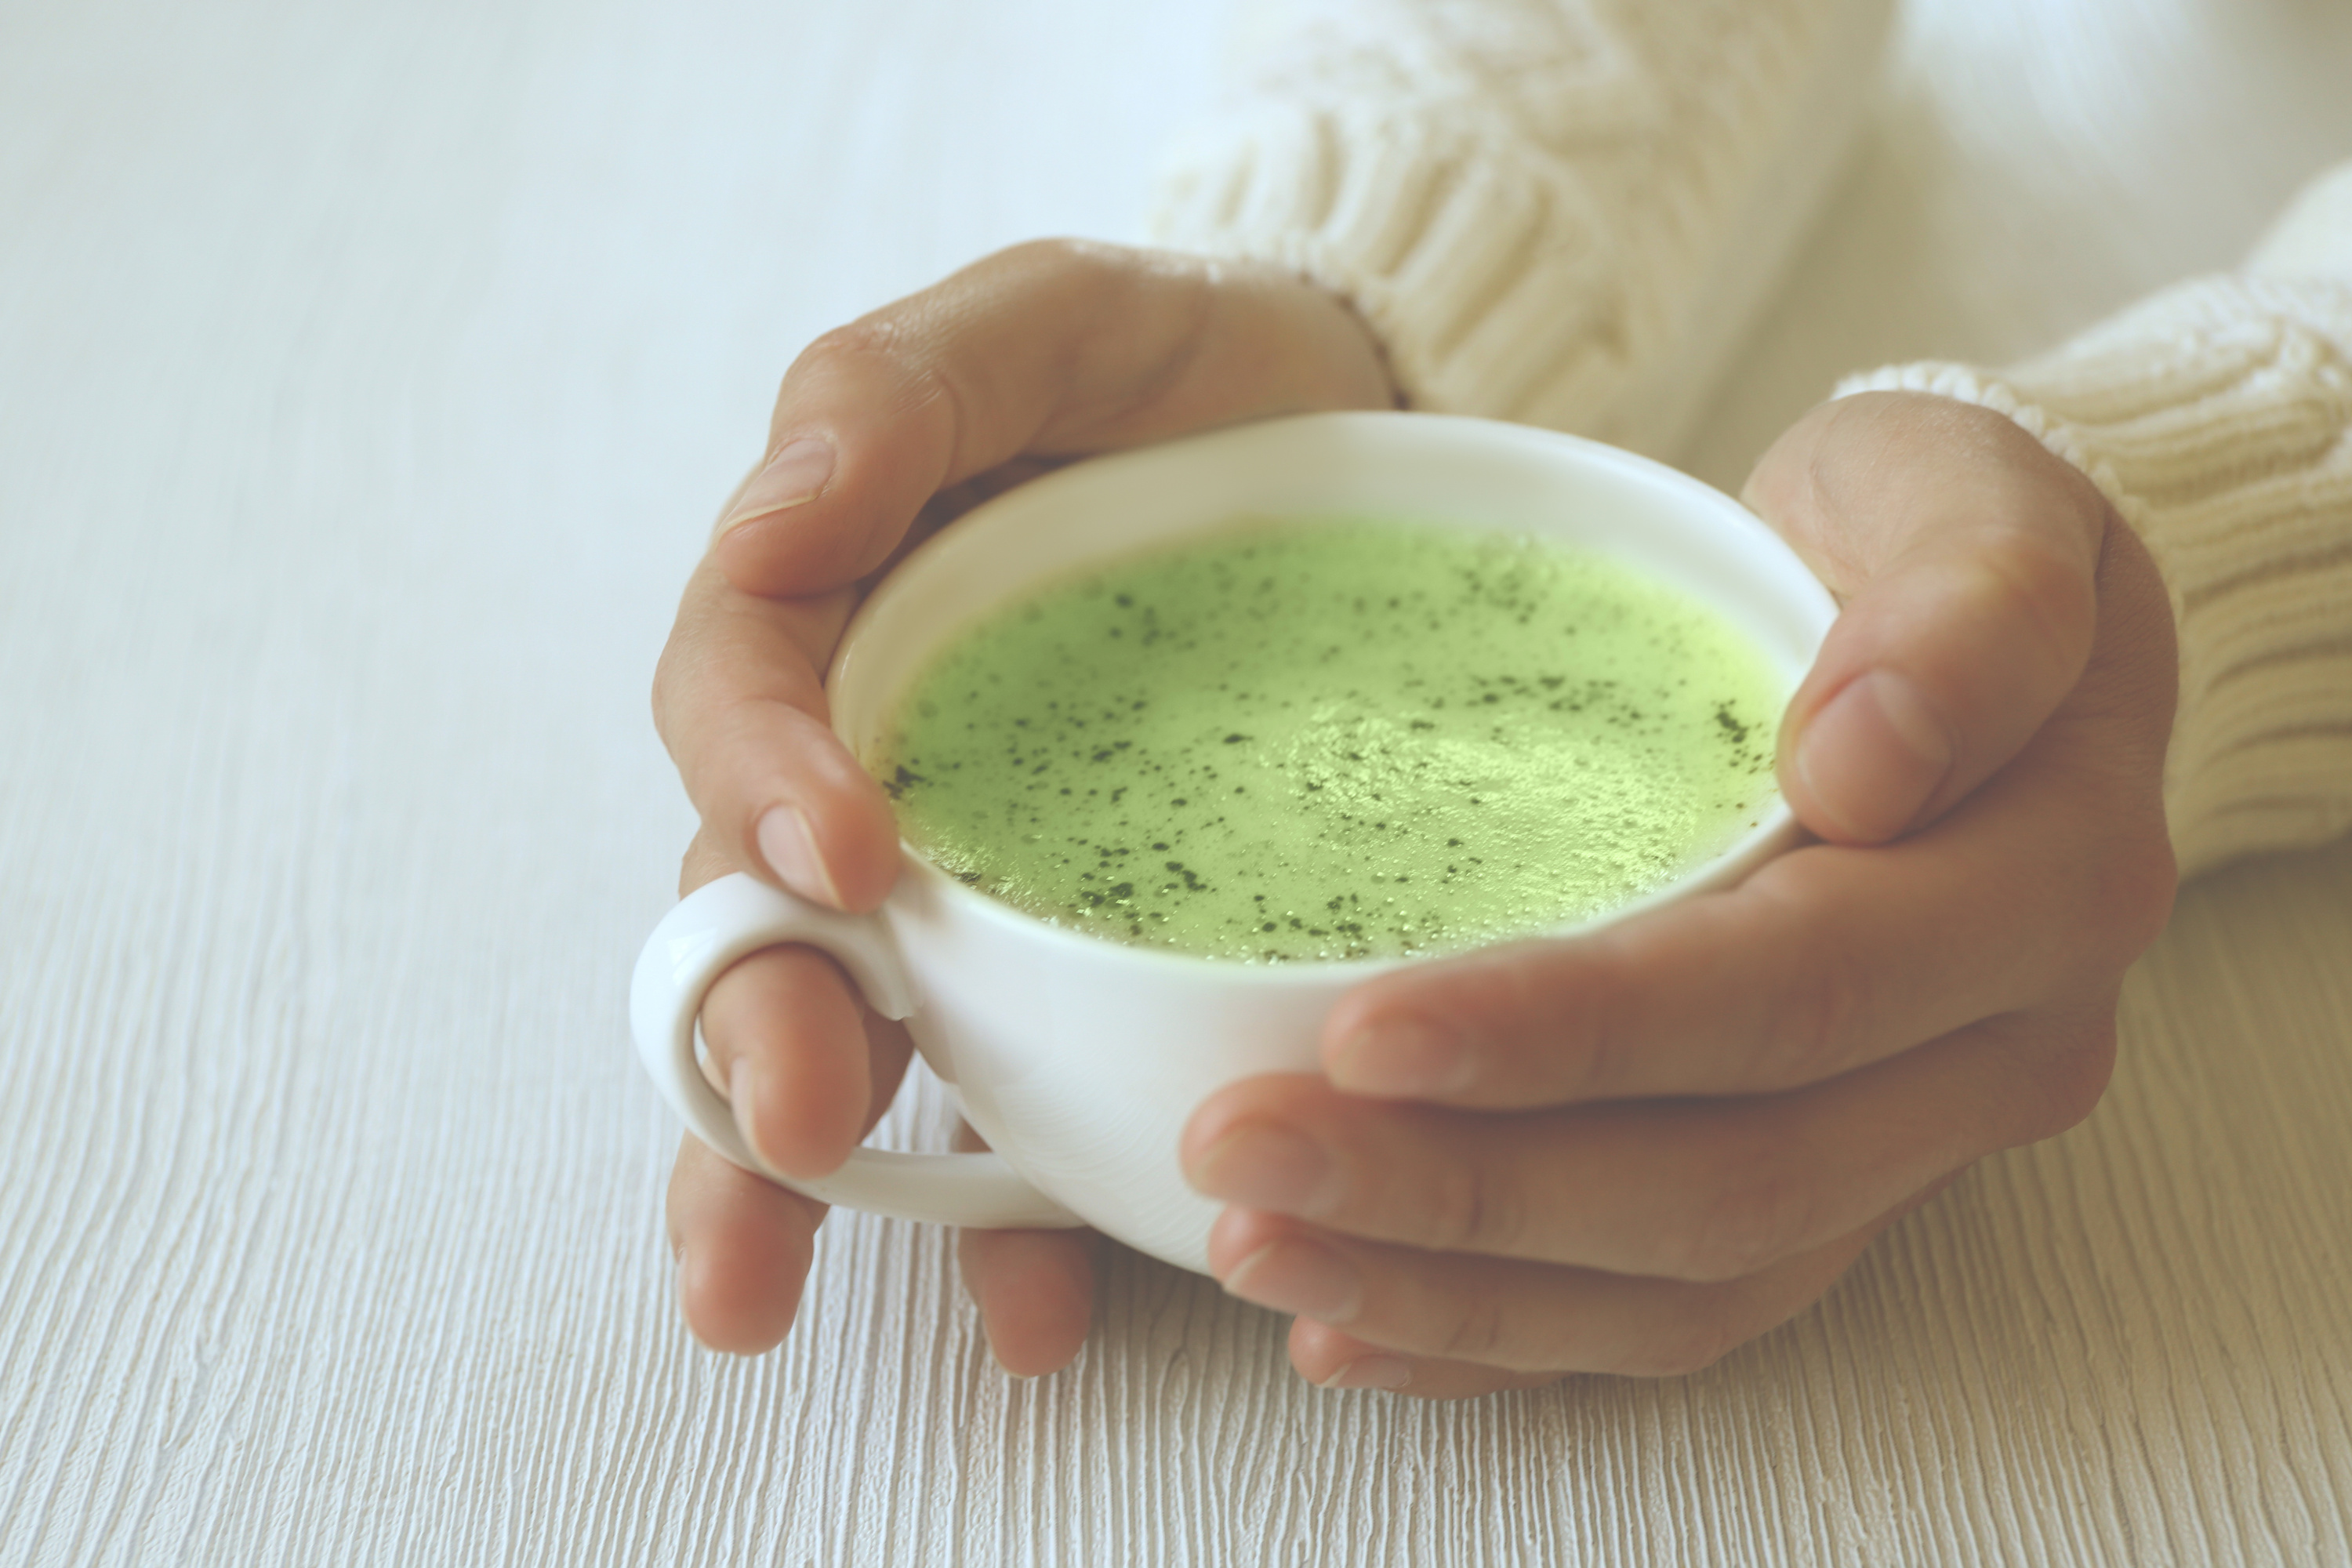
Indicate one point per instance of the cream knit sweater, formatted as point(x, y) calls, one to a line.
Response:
point(1566, 211)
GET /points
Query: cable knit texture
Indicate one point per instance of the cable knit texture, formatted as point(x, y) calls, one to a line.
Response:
point(2216, 416)
point(1563, 212)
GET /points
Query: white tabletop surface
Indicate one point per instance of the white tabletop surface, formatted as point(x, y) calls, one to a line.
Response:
point(368, 376)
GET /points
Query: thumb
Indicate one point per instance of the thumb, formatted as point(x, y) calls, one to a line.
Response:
point(1052, 349)
point(1967, 557)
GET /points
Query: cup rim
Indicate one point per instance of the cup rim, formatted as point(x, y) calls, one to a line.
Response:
point(1775, 830)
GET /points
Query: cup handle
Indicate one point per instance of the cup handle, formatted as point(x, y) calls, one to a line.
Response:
point(717, 924)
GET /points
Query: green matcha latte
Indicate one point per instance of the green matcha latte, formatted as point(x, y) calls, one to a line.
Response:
point(1335, 739)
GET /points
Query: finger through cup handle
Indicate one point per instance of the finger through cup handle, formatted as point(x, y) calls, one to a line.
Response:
point(737, 915)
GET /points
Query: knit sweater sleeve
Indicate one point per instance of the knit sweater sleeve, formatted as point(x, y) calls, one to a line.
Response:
point(1561, 211)
point(2217, 418)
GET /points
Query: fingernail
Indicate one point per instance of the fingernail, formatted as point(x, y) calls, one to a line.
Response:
point(1402, 1058)
point(1268, 1168)
point(1299, 1276)
point(795, 475)
point(1873, 755)
point(1371, 1372)
point(788, 847)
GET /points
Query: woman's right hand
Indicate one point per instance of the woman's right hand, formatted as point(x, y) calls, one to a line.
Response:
point(884, 430)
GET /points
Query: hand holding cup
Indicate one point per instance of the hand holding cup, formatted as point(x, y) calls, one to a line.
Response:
point(1634, 1150)
point(1628, 1150)
point(883, 431)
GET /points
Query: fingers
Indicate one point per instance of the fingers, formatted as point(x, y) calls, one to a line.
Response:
point(1694, 1190)
point(1333, 1358)
point(2045, 883)
point(786, 1041)
point(1035, 1292)
point(739, 702)
point(807, 1071)
point(1524, 1317)
point(807, 1068)
point(1986, 679)
point(1046, 350)
point(1966, 555)
point(1054, 347)
point(743, 1247)
point(1034, 1288)
point(1828, 959)
point(809, 1079)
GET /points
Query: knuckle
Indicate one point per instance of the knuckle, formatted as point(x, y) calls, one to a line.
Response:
point(2119, 896)
point(1479, 1207)
point(2072, 1077)
point(2133, 893)
point(1476, 1331)
point(1824, 1000)
point(1690, 1340)
point(1759, 1212)
point(1062, 260)
point(1824, 1009)
point(908, 335)
point(672, 673)
point(880, 335)
point(2037, 581)
point(898, 352)
point(1597, 1043)
point(1083, 280)
point(1782, 480)
point(705, 860)
point(868, 337)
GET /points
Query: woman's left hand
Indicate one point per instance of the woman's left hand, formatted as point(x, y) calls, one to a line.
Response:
point(1633, 1150)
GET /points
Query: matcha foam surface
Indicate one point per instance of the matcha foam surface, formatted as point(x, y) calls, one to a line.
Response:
point(1336, 739)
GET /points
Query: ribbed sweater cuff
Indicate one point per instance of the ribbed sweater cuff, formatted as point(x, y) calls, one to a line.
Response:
point(2217, 418)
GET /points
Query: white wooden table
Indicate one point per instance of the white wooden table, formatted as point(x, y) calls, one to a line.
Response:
point(368, 375)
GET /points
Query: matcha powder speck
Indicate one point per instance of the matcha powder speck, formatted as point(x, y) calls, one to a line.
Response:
point(1336, 739)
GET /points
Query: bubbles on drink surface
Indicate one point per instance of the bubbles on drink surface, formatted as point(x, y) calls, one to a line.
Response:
point(1335, 739)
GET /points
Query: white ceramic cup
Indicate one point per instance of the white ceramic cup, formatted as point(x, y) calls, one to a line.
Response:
point(1079, 1058)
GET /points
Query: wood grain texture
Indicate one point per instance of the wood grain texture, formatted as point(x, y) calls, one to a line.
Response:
point(367, 375)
